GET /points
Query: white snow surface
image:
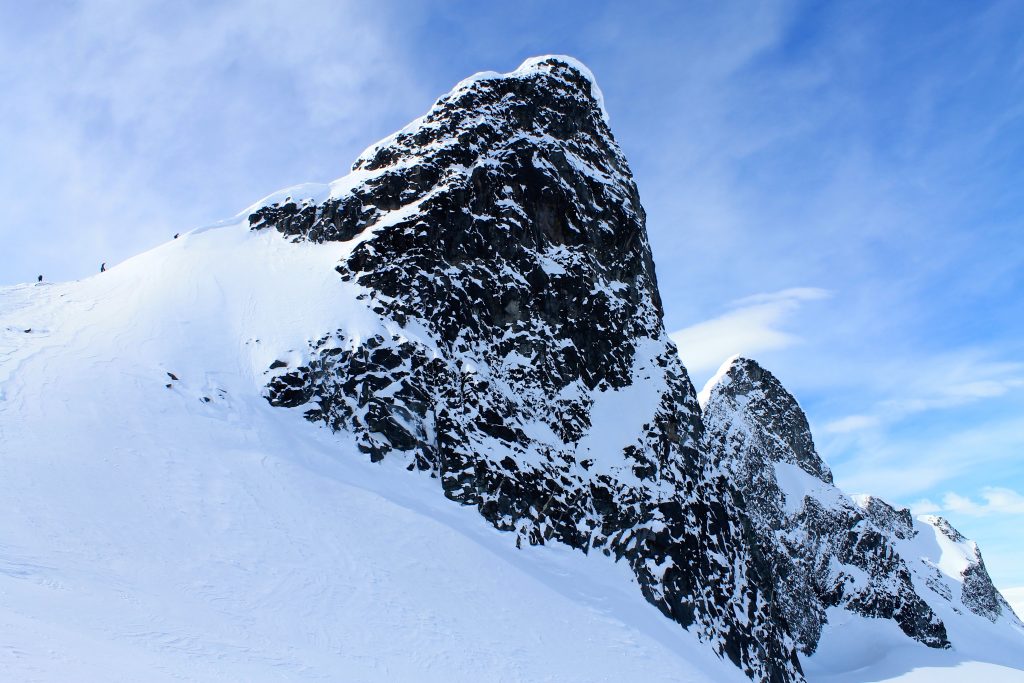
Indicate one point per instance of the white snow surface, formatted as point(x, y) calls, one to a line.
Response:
point(856, 649)
point(721, 375)
point(193, 532)
point(148, 534)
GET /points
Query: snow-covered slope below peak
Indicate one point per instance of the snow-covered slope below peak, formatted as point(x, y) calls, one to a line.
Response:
point(985, 646)
point(858, 649)
point(214, 298)
point(193, 532)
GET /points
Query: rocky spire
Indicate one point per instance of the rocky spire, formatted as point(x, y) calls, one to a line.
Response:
point(501, 242)
point(976, 591)
point(822, 549)
point(742, 387)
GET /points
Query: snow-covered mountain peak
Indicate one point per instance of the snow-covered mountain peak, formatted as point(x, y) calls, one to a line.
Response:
point(754, 400)
point(546, 97)
point(943, 525)
point(501, 241)
point(895, 520)
point(832, 555)
point(567, 68)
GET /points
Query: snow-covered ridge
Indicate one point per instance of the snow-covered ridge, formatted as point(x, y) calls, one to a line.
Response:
point(720, 378)
point(162, 522)
point(838, 558)
point(531, 68)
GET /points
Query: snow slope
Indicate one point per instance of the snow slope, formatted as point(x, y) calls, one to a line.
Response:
point(193, 532)
point(855, 649)
point(149, 534)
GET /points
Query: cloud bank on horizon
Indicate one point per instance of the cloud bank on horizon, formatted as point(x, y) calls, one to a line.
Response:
point(832, 190)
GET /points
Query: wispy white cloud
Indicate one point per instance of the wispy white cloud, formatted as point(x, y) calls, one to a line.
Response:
point(925, 506)
point(900, 466)
point(754, 324)
point(851, 423)
point(931, 383)
point(995, 500)
point(150, 118)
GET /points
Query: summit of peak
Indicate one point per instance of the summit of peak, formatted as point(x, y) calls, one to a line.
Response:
point(743, 387)
point(734, 368)
point(566, 68)
point(554, 97)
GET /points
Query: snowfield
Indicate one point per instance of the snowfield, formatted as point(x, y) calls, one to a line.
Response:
point(162, 522)
point(192, 532)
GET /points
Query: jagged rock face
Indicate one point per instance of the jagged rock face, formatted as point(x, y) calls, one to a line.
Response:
point(823, 550)
point(978, 594)
point(895, 521)
point(773, 410)
point(502, 238)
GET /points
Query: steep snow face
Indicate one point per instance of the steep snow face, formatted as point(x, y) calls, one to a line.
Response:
point(162, 522)
point(837, 559)
point(501, 240)
point(952, 567)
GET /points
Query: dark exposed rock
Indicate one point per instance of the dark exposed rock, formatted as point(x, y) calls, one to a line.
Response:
point(771, 407)
point(943, 525)
point(978, 594)
point(896, 521)
point(502, 243)
point(823, 550)
point(520, 358)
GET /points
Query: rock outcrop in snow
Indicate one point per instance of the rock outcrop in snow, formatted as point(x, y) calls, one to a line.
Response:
point(501, 242)
point(977, 592)
point(825, 549)
point(533, 376)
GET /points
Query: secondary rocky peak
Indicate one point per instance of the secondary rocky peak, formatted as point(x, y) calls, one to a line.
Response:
point(822, 549)
point(897, 521)
point(977, 593)
point(755, 400)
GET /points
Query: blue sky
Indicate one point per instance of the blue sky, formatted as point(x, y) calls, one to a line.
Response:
point(834, 189)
